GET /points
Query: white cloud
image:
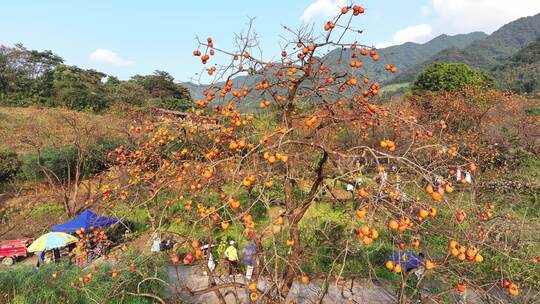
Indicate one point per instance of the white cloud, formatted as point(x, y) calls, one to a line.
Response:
point(464, 16)
point(382, 45)
point(109, 57)
point(417, 33)
point(453, 17)
point(322, 8)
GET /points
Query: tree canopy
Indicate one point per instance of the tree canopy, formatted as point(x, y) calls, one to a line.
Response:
point(29, 77)
point(451, 77)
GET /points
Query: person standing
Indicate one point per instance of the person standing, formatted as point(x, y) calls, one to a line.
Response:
point(40, 259)
point(231, 256)
point(156, 244)
point(207, 251)
point(249, 255)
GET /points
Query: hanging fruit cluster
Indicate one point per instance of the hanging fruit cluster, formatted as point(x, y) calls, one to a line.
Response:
point(273, 158)
point(393, 267)
point(400, 225)
point(367, 234)
point(388, 144)
point(463, 253)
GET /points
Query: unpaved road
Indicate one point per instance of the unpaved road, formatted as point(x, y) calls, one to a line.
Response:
point(194, 278)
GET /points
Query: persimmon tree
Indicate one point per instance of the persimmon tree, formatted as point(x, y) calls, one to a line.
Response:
point(316, 130)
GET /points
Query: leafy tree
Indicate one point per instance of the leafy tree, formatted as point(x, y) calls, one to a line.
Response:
point(32, 77)
point(160, 84)
point(165, 92)
point(79, 89)
point(213, 172)
point(176, 104)
point(125, 92)
point(26, 75)
point(451, 77)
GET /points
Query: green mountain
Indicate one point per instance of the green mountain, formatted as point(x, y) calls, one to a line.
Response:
point(485, 53)
point(521, 73)
point(403, 56)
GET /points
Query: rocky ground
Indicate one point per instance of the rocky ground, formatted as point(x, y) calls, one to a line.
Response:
point(195, 279)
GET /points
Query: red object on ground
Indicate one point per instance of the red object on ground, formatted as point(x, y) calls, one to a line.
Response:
point(10, 250)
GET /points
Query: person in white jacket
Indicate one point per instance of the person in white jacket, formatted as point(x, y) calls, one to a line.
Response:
point(156, 243)
point(210, 257)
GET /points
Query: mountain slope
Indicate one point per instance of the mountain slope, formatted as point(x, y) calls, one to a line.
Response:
point(405, 55)
point(485, 53)
point(521, 73)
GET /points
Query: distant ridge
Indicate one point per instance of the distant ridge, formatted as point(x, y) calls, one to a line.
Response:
point(407, 55)
point(485, 53)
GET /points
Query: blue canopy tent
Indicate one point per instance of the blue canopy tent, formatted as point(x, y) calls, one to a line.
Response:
point(85, 220)
point(407, 260)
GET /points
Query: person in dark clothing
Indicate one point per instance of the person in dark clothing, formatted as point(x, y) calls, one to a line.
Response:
point(40, 259)
point(249, 256)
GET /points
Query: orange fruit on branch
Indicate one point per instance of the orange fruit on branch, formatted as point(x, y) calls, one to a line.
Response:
point(393, 225)
point(389, 265)
point(461, 286)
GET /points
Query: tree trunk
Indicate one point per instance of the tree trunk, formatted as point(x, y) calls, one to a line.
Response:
point(294, 233)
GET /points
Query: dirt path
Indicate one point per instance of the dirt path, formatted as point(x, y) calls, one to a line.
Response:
point(194, 278)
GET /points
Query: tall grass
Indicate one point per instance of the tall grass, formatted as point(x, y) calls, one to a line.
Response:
point(50, 284)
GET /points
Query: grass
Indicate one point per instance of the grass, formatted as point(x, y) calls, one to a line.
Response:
point(394, 87)
point(19, 125)
point(47, 209)
point(136, 217)
point(533, 111)
point(26, 285)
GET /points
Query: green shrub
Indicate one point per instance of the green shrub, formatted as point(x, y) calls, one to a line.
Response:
point(172, 103)
point(97, 154)
point(137, 218)
point(451, 77)
point(322, 230)
point(25, 284)
point(63, 161)
point(60, 161)
point(9, 165)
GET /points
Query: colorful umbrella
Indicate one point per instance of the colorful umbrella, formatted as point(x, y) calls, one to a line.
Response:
point(51, 241)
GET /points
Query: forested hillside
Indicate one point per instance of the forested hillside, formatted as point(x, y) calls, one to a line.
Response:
point(30, 77)
point(521, 73)
point(485, 53)
point(404, 56)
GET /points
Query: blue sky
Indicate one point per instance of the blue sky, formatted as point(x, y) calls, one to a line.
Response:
point(124, 38)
